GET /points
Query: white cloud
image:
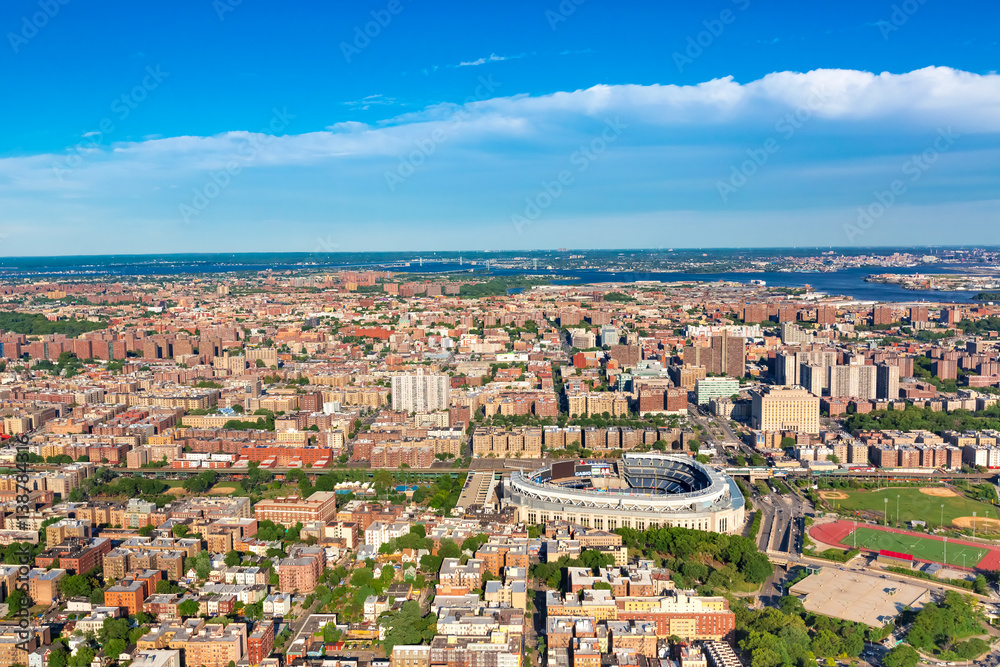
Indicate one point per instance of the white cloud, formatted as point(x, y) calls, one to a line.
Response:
point(493, 58)
point(481, 159)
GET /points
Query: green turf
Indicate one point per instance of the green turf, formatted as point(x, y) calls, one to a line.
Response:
point(919, 547)
point(913, 505)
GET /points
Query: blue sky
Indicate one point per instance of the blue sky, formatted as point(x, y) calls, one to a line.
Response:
point(240, 125)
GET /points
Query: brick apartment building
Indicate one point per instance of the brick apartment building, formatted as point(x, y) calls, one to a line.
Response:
point(290, 510)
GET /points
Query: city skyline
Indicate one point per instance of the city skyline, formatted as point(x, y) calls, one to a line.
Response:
point(510, 128)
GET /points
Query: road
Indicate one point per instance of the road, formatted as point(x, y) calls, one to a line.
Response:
point(297, 624)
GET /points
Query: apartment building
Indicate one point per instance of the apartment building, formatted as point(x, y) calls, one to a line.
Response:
point(290, 510)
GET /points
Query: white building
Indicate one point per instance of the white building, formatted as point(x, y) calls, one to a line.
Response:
point(420, 392)
point(157, 658)
point(379, 533)
point(278, 604)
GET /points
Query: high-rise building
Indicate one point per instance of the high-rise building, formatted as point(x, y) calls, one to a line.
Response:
point(945, 369)
point(725, 356)
point(785, 409)
point(788, 364)
point(853, 381)
point(788, 313)
point(420, 392)
point(792, 333)
point(812, 378)
point(609, 335)
point(826, 315)
point(786, 368)
point(887, 381)
point(882, 315)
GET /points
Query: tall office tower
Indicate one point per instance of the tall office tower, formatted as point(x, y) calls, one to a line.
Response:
point(420, 392)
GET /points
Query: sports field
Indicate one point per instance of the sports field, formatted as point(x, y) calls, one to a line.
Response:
point(922, 548)
point(915, 504)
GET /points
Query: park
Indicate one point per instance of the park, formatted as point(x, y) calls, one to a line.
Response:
point(936, 505)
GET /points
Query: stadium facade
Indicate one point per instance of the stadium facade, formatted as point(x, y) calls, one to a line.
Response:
point(637, 491)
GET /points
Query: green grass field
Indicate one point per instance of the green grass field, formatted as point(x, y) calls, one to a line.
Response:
point(918, 547)
point(913, 505)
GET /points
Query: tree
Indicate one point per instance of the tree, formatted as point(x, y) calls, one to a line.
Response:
point(429, 563)
point(473, 543)
point(755, 567)
point(408, 626)
point(449, 549)
point(58, 657)
point(75, 586)
point(83, 657)
point(18, 600)
point(382, 481)
point(188, 608)
point(203, 564)
point(114, 648)
point(233, 558)
point(791, 605)
point(902, 655)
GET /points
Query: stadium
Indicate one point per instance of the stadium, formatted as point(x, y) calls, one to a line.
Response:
point(638, 491)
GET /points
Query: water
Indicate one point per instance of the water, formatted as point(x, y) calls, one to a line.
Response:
point(847, 282)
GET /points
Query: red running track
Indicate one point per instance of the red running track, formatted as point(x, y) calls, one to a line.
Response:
point(835, 533)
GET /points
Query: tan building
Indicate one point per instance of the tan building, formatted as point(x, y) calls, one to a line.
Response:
point(290, 510)
point(525, 442)
point(785, 409)
point(216, 646)
point(43, 585)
